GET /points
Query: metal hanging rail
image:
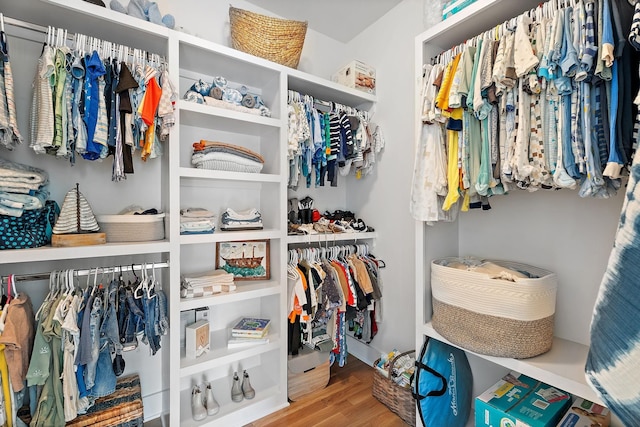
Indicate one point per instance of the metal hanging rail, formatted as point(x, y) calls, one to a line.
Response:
point(103, 270)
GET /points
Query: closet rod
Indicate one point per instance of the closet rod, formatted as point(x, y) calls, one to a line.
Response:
point(23, 24)
point(101, 270)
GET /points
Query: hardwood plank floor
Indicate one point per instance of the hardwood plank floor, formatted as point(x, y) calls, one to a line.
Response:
point(347, 400)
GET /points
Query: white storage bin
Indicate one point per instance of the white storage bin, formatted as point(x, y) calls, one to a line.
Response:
point(132, 228)
point(505, 317)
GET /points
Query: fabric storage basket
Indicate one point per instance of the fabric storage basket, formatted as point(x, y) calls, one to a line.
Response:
point(307, 373)
point(132, 228)
point(395, 397)
point(504, 316)
point(278, 40)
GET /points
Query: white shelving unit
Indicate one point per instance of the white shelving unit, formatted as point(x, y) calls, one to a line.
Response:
point(171, 183)
point(563, 365)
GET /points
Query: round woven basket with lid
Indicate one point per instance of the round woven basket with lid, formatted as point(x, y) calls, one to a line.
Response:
point(278, 40)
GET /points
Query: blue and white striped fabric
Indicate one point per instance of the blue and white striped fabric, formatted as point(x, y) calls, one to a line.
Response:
point(613, 363)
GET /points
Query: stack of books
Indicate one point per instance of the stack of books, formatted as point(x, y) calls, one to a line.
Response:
point(249, 331)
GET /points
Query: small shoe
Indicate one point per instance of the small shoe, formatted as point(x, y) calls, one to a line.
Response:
point(247, 390)
point(198, 410)
point(210, 402)
point(236, 389)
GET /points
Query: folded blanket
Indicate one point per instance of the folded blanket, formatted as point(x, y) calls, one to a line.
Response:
point(214, 277)
point(212, 146)
point(22, 176)
point(206, 291)
point(196, 213)
point(246, 215)
point(225, 162)
point(13, 204)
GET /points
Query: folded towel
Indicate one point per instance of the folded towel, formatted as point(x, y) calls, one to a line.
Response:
point(19, 175)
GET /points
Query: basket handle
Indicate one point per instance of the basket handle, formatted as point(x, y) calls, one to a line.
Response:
point(392, 363)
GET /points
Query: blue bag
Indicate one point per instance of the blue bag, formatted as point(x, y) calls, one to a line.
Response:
point(31, 230)
point(442, 385)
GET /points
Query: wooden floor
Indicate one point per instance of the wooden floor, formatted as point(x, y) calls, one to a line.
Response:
point(347, 400)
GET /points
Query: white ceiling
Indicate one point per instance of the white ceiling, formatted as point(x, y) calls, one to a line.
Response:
point(341, 20)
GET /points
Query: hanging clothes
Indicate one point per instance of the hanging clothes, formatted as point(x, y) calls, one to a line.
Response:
point(327, 139)
point(546, 101)
point(332, 292)
point(94, 100)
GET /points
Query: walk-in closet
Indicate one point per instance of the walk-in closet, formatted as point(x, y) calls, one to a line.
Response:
point(219, 214)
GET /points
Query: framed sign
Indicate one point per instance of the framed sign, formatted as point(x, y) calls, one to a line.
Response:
point(246, 260)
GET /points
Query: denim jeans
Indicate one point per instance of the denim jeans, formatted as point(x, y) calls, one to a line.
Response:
point(130, 319)
point(150, 315)
point(105, 378)
point(94, 330)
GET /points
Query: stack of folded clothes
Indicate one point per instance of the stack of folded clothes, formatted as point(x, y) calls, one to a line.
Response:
point(197, 221)
point(208, 283)
point(22, 188)
point(219, 93)
point(225, 157)
point(251, 219)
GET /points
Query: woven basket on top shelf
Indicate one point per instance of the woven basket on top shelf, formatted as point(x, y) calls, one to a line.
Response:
point(275, 39)
point(397, 398)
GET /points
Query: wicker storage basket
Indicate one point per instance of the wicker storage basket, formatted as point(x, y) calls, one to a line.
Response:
point(398, 399)
point(494, 316)
point(132, 228)
point(275, 39)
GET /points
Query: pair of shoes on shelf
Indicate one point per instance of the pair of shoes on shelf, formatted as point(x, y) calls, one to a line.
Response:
point(359, 225)
point(242, 390)
point(203, 404)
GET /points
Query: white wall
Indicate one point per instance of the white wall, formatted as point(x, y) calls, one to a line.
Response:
point(383, 199)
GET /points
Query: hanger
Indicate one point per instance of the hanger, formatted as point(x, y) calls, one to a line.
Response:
point(153, 283)
point(141, 286)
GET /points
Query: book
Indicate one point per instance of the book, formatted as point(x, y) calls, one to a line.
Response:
point(235, 342)
point(251, 328)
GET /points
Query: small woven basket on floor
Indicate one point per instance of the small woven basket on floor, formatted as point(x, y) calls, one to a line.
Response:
point(278, 40)
point(397, 398)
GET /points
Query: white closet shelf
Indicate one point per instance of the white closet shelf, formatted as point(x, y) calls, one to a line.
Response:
point(266, 401)
point(331, 238)
point(244, 123)
point(213, 59)
point(220, 355)
point(327, 90)
point(229, 236)
point(48, 253)
point(473, 20)
point(196, 173)
point(245, 290)
point(562, 366)
point(86, 18)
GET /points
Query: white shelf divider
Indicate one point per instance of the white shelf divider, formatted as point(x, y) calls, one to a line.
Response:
point(220, 355)
point(233, 413)
point(228, 176)
point(48, 253)
point(209, 110)
point(331, 239)
point(228, 236)
point(245, 290)
point(562, 366)
point(327, 90)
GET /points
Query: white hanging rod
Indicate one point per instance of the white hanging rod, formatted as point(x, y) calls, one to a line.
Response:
point(23, 24)
point(102, 270)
